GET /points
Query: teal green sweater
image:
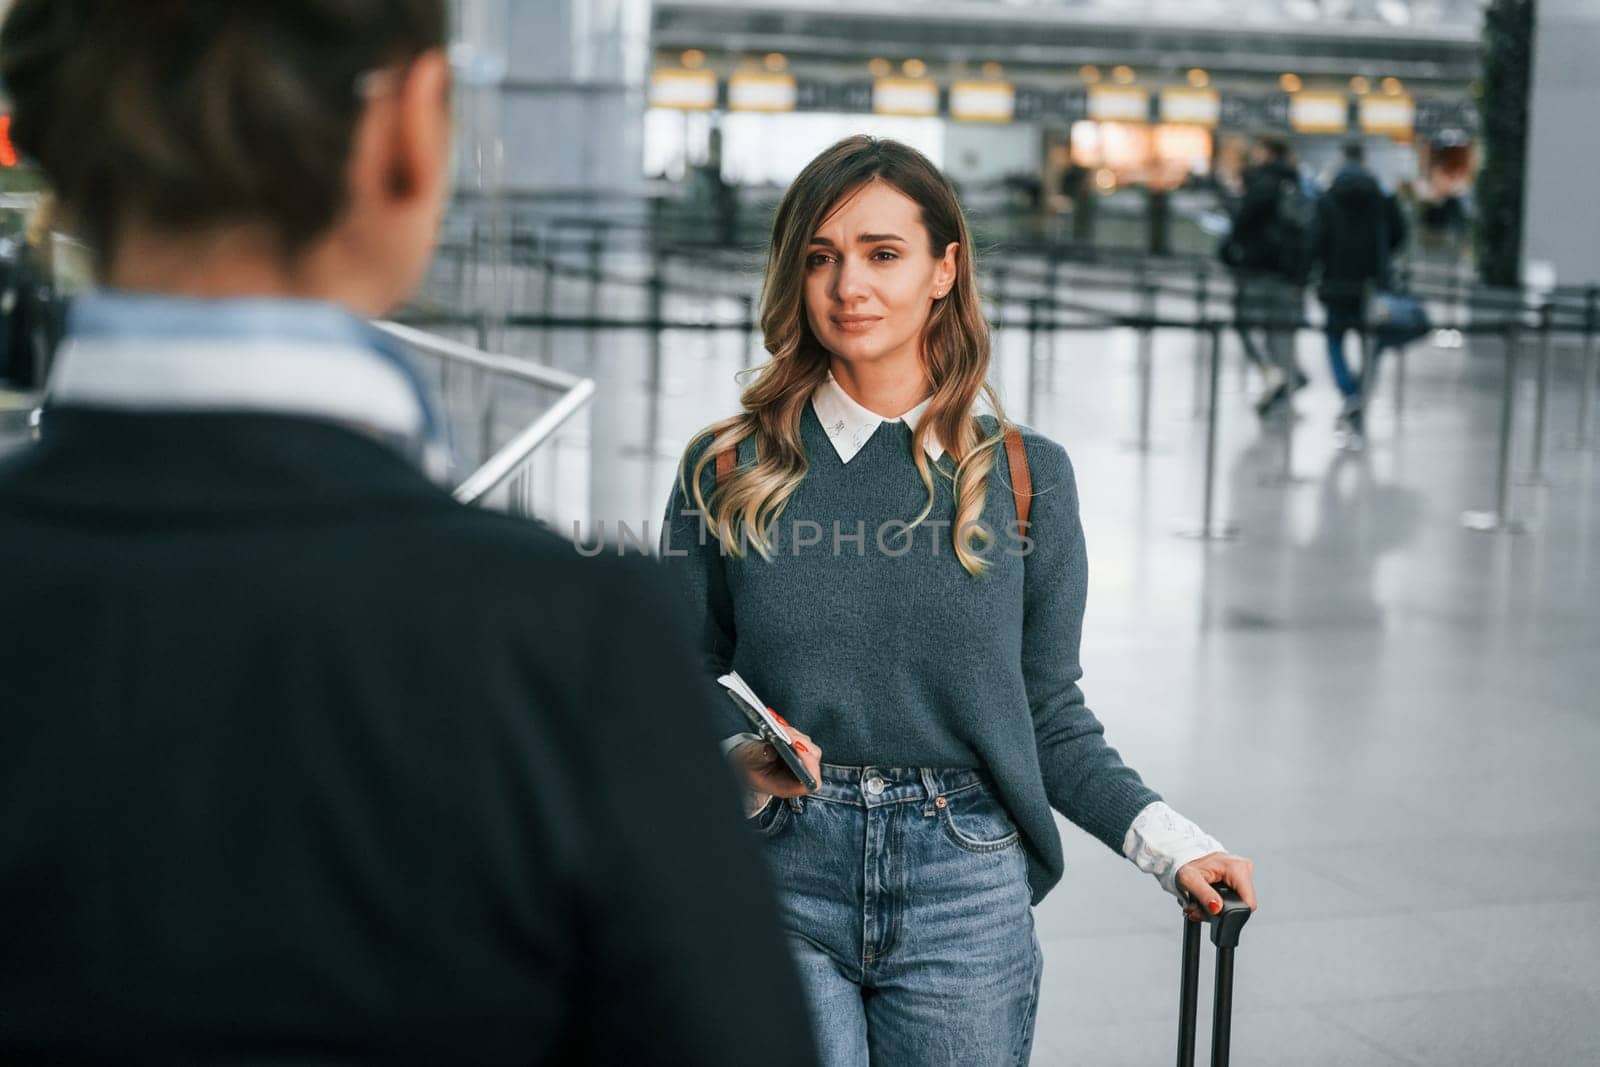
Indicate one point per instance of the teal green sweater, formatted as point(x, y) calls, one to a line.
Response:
point(900, 658)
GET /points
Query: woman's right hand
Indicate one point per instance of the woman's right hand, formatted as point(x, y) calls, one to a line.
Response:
point(762, 770)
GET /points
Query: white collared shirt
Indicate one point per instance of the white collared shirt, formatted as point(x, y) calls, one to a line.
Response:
point(1160, 841)
point(849, 425)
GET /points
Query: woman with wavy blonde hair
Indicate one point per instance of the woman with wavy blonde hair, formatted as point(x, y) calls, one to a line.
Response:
point(903, 576)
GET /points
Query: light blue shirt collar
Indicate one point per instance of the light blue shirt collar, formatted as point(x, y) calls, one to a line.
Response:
point(150, 352)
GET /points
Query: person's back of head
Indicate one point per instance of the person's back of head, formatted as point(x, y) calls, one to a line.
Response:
point(281, 126)
point(1354, 152)
point(1275, 150)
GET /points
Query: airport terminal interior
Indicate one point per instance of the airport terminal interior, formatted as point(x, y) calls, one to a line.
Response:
point(1366, 660)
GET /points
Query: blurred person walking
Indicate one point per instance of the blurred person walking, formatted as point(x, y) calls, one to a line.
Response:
point(31, 316)
point(921, 637)
point(1359, 228)
point(1269, 249)
point(301, 761)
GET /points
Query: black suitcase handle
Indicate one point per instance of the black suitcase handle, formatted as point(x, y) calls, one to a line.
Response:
point(1225, 928)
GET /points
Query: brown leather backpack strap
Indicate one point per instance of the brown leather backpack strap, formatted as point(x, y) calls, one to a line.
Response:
point(1021, 480)
point(725, 461)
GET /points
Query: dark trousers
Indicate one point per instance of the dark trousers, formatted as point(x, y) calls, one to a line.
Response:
point(1267, 310)
point(1342, 318)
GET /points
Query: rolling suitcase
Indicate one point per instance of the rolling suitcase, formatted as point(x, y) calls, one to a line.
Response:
point(1225, 927)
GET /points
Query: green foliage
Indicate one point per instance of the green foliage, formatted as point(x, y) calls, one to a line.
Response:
point(1503, 104)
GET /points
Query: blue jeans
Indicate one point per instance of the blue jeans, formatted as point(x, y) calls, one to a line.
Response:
point(1342, 319)
point(904, 893)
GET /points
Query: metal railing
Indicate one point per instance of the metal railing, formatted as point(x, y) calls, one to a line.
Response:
point(507, 457)
point(522, 475)
point(1043, 292)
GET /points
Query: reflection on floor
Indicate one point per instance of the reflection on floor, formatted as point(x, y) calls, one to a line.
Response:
point(1395, 717)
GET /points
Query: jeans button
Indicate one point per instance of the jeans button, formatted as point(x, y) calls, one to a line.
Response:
point(875, 786)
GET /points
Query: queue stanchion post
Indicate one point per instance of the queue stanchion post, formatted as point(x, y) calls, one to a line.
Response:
point(1146, 360)
point(1050, 335)
point(491, 405)
point(596, 253)
point(1202, 309)
point(1284, 419)
point(998, 295)
point(1591, 324)
point(548, 306)
point(1500, 520)
point(599, 236)
point(480, 335)
point(1541, 400)
point(749, 336)
point(1051, 338)
point(480, 330)
point(1033, 361)
point(1399, 379)
point(460, 292)
point(652, 441)
point(1209, 529)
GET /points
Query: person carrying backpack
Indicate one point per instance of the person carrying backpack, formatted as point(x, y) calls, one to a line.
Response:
point(1358, 228)
point(1269, 250)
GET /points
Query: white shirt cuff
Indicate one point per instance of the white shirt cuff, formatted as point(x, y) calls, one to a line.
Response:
point(1160, 842)
point(753, 801)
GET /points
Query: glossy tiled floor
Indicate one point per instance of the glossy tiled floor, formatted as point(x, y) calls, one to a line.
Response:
point(1396, 718)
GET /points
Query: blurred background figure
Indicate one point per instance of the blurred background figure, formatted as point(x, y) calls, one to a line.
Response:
point(31, 318)
point(1445, 200)
point(1359, 227)
point(1269, 249)
point(301, 760)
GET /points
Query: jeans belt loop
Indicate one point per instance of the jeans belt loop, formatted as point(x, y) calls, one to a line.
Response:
point(796, 805)
point(932, 789)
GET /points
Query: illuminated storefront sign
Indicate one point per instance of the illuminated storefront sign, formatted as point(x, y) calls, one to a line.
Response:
point(761, 92)
point(686, 90)
point(986, 101)
point(1318, 112)
point(905, 96)
point(1394, 115)
point(1193, 107)
point(1117, 104)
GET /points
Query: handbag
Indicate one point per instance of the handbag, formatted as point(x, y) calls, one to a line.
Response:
point(1398, 318)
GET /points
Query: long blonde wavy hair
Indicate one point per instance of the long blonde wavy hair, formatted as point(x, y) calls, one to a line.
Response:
point(955, 356)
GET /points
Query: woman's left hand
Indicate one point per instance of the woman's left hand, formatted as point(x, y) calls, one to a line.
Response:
point(1197, 876)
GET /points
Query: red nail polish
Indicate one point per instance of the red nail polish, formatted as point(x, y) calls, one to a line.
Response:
point(800, 746)
point(1216, 906)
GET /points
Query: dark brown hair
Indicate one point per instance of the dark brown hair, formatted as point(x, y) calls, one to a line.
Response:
point(183, 114)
